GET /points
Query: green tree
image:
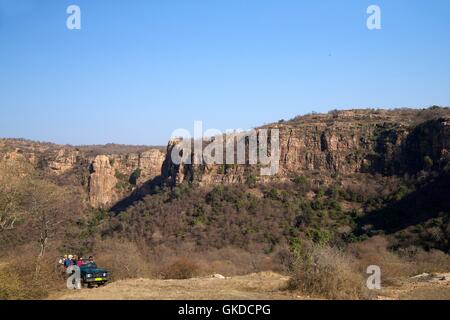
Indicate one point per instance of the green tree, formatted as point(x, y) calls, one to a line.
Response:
point(428, 162)
point(135, 176)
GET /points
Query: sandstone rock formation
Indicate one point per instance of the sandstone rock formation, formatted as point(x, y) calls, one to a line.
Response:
point(64, 160)
point(111, 176)
point(341, 142)
point(106, 177)
point(102, 182)
point(389, 142)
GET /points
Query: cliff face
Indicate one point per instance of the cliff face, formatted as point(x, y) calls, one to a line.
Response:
point(106, 178)
point(102, 182)
point(63, 160)
point(114, 177)
point(344, 142)
point(428, 145)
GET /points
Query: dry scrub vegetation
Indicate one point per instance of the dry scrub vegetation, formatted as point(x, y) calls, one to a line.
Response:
point(323, 235)
point(127, 260)
point(315, 270)
point(327, 272)
point(24, 277)
point(324, 271)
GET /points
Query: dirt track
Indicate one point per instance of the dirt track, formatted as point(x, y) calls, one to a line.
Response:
point(260, 286)
point(421, 287)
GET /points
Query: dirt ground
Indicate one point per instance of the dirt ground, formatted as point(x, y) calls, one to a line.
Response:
point(421, 287)
point(260, 286)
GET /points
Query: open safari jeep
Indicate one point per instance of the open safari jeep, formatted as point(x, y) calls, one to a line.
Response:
point(92, 275)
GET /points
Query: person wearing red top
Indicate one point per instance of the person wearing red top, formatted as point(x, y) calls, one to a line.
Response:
point(80, 262)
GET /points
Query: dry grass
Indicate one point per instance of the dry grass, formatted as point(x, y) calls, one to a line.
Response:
point(182, 268)
point(258, 286)
point(374, 252)
point(123, 259)
point(19, 279)
point(433, 261)
point(394, 265)
point(227, 261)
point(316, 271)
point(435, 293)
point(232, 261)
point(11, 288)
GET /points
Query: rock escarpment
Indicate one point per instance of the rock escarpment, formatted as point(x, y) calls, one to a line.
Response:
point(388, 142)
point(106, 178)
point(340, 142)
point(116, 176)
point(63, 160)
point(102, 182)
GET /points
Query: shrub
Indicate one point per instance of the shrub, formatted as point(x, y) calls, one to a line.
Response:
point(10, 286)
point(426, 261)
point(251, 181)
point(274, 194)
point(183, 268)
point(327, 272)
point(300, 180)
point(122, 258)
point(375, 252)
point(119, 175)
point(221, 169)
point(428, 162)
point(25, 278)
point(319, 236)
point(135, 176)
point(402, 191)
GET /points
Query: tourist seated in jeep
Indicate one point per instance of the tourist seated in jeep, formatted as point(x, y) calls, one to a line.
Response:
point(92, 275)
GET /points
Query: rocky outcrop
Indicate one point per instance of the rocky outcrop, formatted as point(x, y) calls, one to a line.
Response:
point(150, 163)
point(116, 176)
point(107, 178)
point(344, 142)
point(174, 174)
point(102, 182)
point(427, 145)
point(390, 142)
point(63, 161)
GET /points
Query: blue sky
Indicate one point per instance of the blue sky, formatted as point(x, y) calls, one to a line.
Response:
point(139, 69)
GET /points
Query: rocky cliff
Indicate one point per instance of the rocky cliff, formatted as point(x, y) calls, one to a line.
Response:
point(106, 178)
point(340, 142)
point(115, 176)
point(389, 142)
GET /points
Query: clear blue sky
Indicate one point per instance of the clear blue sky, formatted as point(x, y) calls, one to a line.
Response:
point(137, 70)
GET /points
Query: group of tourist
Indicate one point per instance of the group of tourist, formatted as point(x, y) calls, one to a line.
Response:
point(74, 260)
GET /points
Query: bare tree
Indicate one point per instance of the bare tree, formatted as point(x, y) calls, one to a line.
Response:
point(33, 209)
point(13, 178)
point(7, 222)
point(47, 205)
